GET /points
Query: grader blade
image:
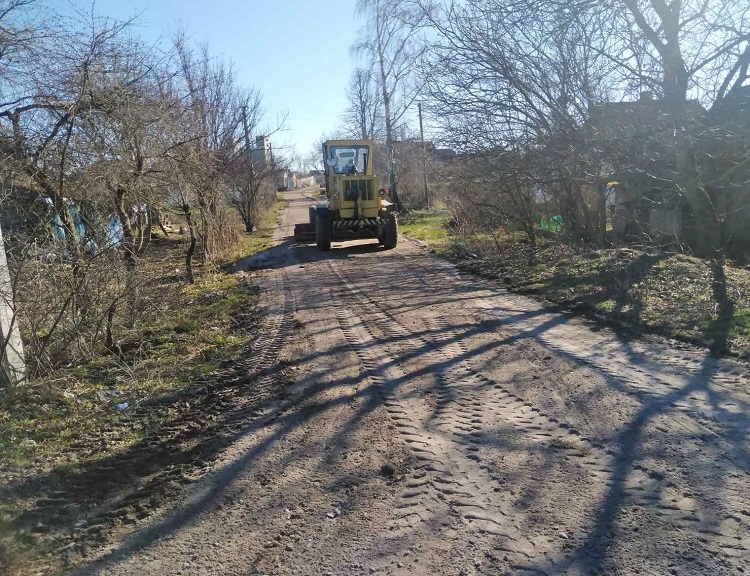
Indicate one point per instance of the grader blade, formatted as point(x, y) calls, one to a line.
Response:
point(304, 232)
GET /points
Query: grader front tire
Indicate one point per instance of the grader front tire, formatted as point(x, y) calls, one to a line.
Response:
point(391, 233)
point(323, 232)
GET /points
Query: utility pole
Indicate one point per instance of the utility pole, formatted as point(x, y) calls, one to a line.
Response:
point(12, 364)
point(424, 158)
point(248, 150)
point(247, 132)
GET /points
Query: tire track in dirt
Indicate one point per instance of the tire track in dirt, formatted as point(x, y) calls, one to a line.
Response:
point(233, 516)
point(729, 374)
point(322, 411)
point(277, 326)
point(653, 369)
point(645, 487)
point(718, 412)
point(650, 372)
point(449, 475)
point(446, 491)
point(479, 397)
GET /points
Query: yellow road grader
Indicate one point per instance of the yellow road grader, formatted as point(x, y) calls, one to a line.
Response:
point(355, 206)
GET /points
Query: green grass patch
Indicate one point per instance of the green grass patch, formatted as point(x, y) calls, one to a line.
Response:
point(431, 227)
point(606, 306)
point(738, 326)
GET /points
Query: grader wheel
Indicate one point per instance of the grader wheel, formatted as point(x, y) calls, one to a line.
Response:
point(323, 232)
point(390, 237)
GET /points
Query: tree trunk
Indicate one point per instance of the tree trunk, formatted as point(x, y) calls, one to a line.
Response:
point(601, 212)
point(688, 183)
point(109, 340)
point(128, 237)
point(146, 239)
point(205, 232)
point(249, 208)
point(249, 224)
point(129, 253)
point(389, 133)
point(79, 301)
point(675, 85)
point(155, 214)
point(191, 246)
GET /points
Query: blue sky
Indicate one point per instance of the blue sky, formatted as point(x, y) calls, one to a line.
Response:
point(296, 52)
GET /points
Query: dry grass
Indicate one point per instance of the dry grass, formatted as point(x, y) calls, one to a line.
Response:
point(665, 293)
point(75, 416)
point(659, 292)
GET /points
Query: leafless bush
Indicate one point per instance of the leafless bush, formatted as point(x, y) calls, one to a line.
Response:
point(563, 80)
point(99, 136)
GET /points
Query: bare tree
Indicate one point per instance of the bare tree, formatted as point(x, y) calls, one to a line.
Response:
point(684, 50)
point(700, 49)
point(314, 160)
point(16, 42)
point(213, 127)
point(98, 132)
point(252, 179)
point(505, 77)
point(22, 29)
point(392, 45)
point(51, 149)
point(364, 115)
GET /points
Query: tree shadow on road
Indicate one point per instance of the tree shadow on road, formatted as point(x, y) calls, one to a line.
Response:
point(589, 556)
point(627, 443)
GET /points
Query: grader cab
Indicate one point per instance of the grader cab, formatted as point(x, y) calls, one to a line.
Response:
point(355, 206)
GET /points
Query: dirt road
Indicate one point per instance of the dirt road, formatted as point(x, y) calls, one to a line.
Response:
point(438, 425)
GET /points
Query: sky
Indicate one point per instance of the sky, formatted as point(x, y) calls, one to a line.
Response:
point(295, 52)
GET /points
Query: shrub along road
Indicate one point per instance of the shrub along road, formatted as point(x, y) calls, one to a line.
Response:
point(437, 425)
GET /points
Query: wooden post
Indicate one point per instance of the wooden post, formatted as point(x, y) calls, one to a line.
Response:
point(12, 364)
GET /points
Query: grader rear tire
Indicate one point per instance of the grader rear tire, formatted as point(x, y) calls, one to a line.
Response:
point(390, 238)
point(323, 232)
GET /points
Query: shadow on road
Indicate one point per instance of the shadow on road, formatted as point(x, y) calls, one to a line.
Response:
point(627, 443)
point(290, 253)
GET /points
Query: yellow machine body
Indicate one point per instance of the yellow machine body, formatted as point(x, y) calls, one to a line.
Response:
point(355, 207)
